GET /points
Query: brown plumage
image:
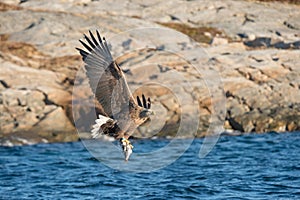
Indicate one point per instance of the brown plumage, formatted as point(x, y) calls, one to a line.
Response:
point(122, 114)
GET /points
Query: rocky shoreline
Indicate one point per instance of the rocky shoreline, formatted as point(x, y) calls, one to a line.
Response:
point(248, 53)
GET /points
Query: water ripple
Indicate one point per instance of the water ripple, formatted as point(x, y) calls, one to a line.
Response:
point(241, 167)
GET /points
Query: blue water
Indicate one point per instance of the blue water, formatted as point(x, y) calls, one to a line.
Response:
point(239, 167)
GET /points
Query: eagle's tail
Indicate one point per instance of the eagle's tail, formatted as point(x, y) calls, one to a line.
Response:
point(102, 125)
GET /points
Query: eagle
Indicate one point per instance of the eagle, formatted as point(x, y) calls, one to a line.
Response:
point(122, 113)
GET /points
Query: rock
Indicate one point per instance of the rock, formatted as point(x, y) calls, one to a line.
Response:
point(217, 41)
point(252, 61)
point(282, 45)
point(291, 126)
point(278, 126)
point(10, 97)
point(259, 42)
point(296, 45)
point(56, 96)
point(235, 107)
point(7, 122)
point(56, 122)
point(227, 126)
point(35, 101)
point(169, 102)
point(29, 100)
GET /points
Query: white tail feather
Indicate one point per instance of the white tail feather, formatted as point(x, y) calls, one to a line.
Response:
point(96, 132)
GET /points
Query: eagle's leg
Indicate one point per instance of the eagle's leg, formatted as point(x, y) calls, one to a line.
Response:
point(126, 147)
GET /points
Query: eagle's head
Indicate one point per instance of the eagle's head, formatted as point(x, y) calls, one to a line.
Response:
point(126, 147)
point(146, 113)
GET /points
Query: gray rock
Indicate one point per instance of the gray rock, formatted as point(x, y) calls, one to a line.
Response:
point(252, 57)
point(216, 41)
point(55, 121)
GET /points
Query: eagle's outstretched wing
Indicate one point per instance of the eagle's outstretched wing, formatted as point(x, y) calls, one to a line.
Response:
point(106, 79)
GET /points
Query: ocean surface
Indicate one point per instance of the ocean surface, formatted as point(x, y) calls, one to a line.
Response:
point(252, 166)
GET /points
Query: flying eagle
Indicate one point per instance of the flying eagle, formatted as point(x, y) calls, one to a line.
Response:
point(122, 113)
